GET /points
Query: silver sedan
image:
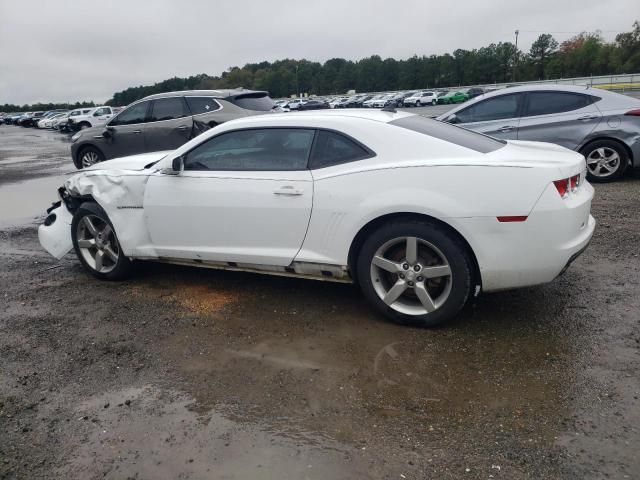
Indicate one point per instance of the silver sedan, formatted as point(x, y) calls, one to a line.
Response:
point(603, 126)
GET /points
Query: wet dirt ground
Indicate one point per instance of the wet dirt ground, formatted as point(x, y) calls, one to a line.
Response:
point(199, 374)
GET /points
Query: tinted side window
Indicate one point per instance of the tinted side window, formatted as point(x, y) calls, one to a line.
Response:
point(331, 148)
point(134, 114)
point(168, 109)
point(253, 150)
point(199, 105)
point(496, 108)
point(544, 103)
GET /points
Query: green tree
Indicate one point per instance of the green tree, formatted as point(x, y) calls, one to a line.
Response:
point(541, 50)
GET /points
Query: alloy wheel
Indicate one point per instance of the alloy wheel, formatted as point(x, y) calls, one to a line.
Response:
point(89, 158)
point(603, 162)
point(97, 243)
point(411, 275)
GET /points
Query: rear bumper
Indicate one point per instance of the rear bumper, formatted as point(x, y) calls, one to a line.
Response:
point(535, 251)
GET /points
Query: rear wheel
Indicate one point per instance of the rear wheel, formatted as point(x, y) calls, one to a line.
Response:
point(606, 160)
point(418, 104)
point(415, 273)
point(97, 245)
point(434, 102)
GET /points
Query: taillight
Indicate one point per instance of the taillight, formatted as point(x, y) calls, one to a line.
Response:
point(574, 182)
point(567, 185)
point(634, 113)
point(563, 187)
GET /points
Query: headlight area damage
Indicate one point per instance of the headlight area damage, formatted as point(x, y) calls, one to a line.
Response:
point(120, 193)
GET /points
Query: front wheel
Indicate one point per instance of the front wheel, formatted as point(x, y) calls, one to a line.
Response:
point(415, 273)
point(606, 161)
point(89, 156)
point(96, 244)
point(434, 103)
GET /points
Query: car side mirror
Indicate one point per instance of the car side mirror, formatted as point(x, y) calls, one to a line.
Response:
point(108, 132)
point(178, 164)
point(452, 119)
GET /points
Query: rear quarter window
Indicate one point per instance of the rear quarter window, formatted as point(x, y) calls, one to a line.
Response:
point(450, 133)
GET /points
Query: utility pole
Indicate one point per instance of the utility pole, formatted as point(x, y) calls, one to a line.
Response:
point(297, 84)
point(515, 63)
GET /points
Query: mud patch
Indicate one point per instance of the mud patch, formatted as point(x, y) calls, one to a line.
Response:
point(196, 299)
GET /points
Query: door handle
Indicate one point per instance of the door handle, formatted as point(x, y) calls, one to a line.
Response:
point(288, 190)
point(182, 127)
point(587, 117)
point(137, 131)
point(506, 128)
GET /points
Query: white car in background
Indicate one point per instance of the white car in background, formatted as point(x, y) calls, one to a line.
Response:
point(48, 121)
point(61, 123)
point(295, 103)
point(96, 117)
point(382, 101)
point(369, 103)
point(420, 99)
point(337, 101)
point(421, 214)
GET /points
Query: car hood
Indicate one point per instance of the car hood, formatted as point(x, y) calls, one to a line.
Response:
point(132, 162)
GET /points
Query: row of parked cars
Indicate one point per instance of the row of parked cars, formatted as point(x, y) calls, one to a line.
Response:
point(603, 126)
point(62, 120)
point(413, 98)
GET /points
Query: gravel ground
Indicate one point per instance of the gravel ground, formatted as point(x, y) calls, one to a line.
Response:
point(190, 373)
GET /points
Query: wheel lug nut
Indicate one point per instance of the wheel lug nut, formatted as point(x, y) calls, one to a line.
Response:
point(417, 268)
point(411, 284)
point(401, 275)
point(420, 279)
point(405, 266)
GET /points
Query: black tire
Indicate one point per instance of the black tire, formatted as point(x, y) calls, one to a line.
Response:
point(434, 102)
point(591, 150)
point(454, 252)
point(83, 125)
point(418, 104)
point(117, 270)
point(84, 157)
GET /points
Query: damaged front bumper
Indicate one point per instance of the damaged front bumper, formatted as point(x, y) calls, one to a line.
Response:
point(55, 233)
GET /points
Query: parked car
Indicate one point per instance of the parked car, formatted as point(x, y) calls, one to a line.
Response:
point(418, 99)
point(453, 97)
point(369, 103)
point(295, 103)
point(62, 123)
point(30, 119)
point(337, 101)
point(96, 117)
point(164, 122)
point(263, 194)
point(383, 101)
point(475, 92)
point(48, 120)
point(314, 105)
point(603, 126)
point(357, 101)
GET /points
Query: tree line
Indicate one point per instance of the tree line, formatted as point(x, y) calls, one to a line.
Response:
point(582, 55)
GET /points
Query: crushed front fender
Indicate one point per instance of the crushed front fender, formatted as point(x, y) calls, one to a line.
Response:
point(55, 233)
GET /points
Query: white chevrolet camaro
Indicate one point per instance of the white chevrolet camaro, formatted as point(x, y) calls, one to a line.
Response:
point(422, 215)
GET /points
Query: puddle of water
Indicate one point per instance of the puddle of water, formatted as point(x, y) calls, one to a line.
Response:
point(23, 202)
point(158, 435)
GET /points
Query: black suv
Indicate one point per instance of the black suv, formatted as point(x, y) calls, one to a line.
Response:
point(164, 122)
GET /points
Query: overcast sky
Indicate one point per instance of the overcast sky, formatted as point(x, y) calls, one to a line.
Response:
point(67, 50)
